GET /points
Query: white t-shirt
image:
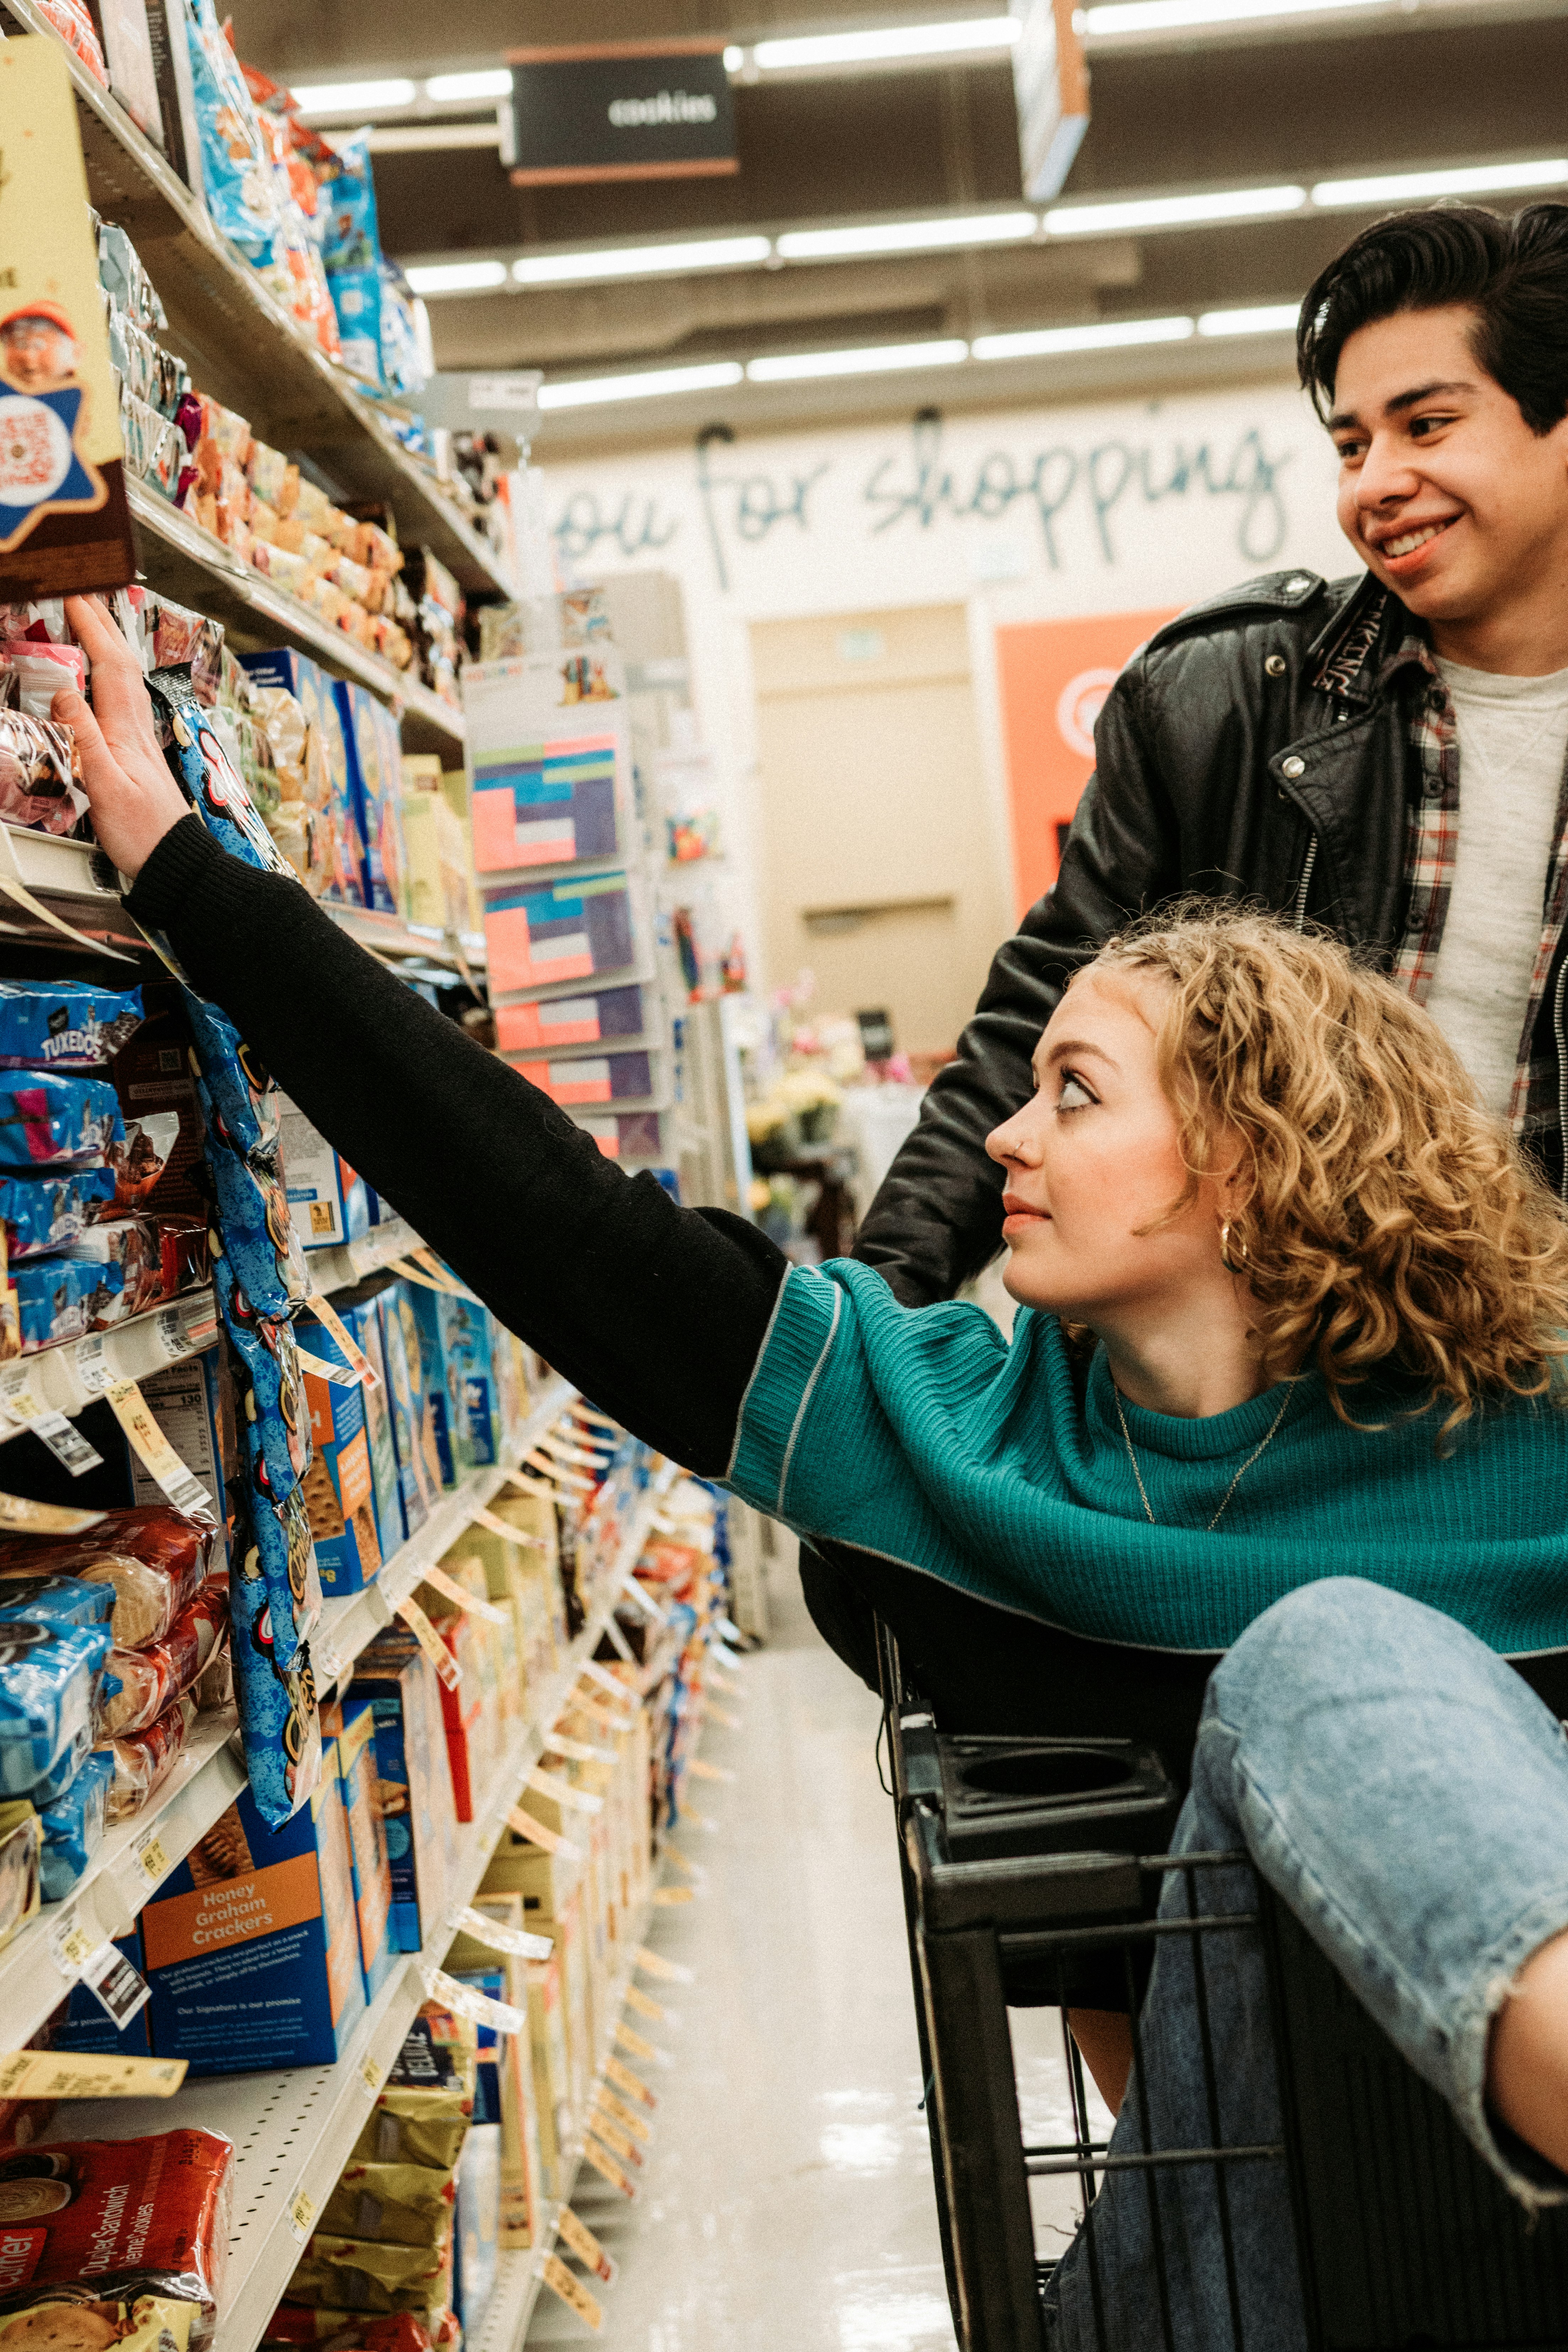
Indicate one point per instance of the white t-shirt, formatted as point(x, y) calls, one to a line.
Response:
point(1513, 734)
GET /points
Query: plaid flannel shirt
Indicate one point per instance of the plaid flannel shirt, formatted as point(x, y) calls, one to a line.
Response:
point(1432, 843)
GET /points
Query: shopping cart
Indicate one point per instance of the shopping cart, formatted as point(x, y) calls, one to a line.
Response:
point(1033, 1870)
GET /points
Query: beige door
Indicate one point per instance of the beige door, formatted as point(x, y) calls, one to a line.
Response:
point(881, 868)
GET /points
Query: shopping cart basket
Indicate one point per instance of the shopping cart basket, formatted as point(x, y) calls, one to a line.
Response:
point(1033, 1870)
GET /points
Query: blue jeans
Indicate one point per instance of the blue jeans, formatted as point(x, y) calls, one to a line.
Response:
point(1406, 1794)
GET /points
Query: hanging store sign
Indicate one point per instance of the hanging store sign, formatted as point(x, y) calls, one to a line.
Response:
point(620, 111)
point(1050, 88)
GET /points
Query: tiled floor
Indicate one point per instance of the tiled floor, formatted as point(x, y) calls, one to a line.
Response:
point(787, 2201)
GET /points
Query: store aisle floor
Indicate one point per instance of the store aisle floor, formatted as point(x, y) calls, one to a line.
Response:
point(787, 2198)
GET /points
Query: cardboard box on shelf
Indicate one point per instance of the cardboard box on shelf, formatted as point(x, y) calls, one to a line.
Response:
point(360, 1778)
point(326, 1200)
point(364, 1323)
point(454, 1350)
point(374, 778)
point(252, 1944)
point(522, 2192)
point(414, 1780)
point(337, 1486)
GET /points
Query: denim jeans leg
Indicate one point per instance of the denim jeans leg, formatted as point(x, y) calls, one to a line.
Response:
point(1406, 1794)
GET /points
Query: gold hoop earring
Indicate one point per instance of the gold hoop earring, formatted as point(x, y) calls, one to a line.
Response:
point(1225, 1256)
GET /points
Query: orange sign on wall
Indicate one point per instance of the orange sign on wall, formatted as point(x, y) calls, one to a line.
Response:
point(1055, 675)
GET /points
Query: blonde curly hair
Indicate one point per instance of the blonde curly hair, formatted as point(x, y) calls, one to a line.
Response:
point(1383, 1217)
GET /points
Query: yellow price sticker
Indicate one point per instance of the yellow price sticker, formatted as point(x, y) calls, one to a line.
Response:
point(579, 2239)
point(653, 1964)
point(666, 1897)
point(629, 2118)
point(572, 2291)
point(152, 1860)
point(638, 2044)
point(72, 1944)
point(604, 2165)
point(76, 2074)
point(370, 2075)
point(524, 1822)
point(619, 2142)
point(625, 2080)
point(645, 2004)
point(700, 1769)
point(430, 1642)
point(301, 2214)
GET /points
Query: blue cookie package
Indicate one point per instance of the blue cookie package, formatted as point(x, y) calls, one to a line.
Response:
point(71, 1026)
point(73, 1826)
point(65, 1297)
point(49, 1677)
point(47, 1121)
point(45, 1212)
point(56, 1600)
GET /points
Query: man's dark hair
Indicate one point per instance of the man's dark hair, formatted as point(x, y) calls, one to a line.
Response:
point(1512, 274)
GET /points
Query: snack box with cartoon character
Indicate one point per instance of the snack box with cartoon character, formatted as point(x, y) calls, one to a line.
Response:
point(251, 1946)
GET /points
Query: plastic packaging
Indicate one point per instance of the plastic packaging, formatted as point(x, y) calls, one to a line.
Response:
point(359, 2275)
point(47, 1121)
point(150, 1678)
point(392, 2204)
point(349, 2331)
point(154, 1557)
point(48, 1678)
point(44, 1212)
point(424, 2108)
point(73, 1826)
point(74, 27)
point(350, 249)
point(124, 2217)
point(237, 172)
point(36, 772)
point(69, 1026)
point(40, 670)
point(61, 1298)
point(56, 1600)
point(144, 1759)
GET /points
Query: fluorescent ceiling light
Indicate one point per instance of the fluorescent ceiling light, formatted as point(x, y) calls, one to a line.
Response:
point(1171, 212)
point(889, 42)
point(1105, 335)
point(1168, 15)
point(795, 367)
point(353, 97)
point(493, 82)
point(590, 391)
point(457, 276)
point(734, 58)
point(905, 237)
point(1270, 318)
point(1408, 187)
point(642, 260)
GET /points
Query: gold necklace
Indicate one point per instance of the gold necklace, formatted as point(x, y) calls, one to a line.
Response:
point(1138, 1474)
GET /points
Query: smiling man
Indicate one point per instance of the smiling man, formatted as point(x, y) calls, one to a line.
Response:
point(1383, 754)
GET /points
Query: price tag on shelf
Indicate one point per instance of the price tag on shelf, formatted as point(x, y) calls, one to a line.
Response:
point(700, 1769)
point(668, 1897)
point(170, 1326)
point(494, 1525)
point(325, 1312)
point(629, 2118)
point(151, 1858)
point(591, 1412)
point(637, 2044)
point(371, 2076)
point(592, 1672)
point(430, 1642)
point(461, 1597)
point(79, 2075)
point(301, 2214)
point(653, 1964)
point(90, 1359)
point(120, 1990)
point(20, 1515)
point(69, 1943)
point(535, 1831)
point(572, 2291)
point(619, 2142)
point(645, 2006)
point(604, 2165)
point(578, 1751)
point(342, 1376)
point(18, 1396)
point(552, 1472)
point(644, 1599)
point(466, 2001)
point(134, 1414)
point(593, 1712)
point(500, 1938)
point(572, 1799)
point(721, 1715)
point(623, 2078)
point(579, 2240)
point(66, 1443)
point(531, 1487)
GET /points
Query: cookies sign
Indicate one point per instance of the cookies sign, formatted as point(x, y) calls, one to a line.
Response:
point(64, 522)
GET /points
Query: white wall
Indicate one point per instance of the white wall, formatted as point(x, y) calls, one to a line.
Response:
point(1039, 514)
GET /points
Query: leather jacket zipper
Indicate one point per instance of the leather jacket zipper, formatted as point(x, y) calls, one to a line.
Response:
point(1299, 919)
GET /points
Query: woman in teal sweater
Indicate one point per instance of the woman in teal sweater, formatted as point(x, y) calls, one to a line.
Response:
point(1287, 1385)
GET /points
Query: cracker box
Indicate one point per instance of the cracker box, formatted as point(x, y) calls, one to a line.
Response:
point(361, 1784)
point(327, 1200)
point(338, 1486)
point(364, 1324)
point(415, 1781)
point(251, 1946)
point(417, 1490)
point(471, 1714)
point(455, 1348)
point(374, 775)
point(421, 1381)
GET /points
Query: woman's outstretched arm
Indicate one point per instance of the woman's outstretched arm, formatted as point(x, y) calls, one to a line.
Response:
point(656, 1312)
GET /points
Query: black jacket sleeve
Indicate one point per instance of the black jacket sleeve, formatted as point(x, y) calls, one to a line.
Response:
point(937, 1219)
point(656, 1312)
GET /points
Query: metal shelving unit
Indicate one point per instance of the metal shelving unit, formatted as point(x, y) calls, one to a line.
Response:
point(292, 2131)
point(241, 346)
point(194, 568)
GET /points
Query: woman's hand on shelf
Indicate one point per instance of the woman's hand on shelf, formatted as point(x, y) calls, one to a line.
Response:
point(133, 797)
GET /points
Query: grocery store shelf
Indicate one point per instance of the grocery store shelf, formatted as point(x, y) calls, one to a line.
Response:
point(67, 1377)
point(346, 1263)
point(292, 2131)
point(190, 565)
point(134, 1857)
point(241, 346)
point(389, 935)
point(348, 1625)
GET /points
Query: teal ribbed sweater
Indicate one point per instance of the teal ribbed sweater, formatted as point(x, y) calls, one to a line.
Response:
point(924, 1437)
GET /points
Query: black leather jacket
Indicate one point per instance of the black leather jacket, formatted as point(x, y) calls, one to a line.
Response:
point(1254, 748)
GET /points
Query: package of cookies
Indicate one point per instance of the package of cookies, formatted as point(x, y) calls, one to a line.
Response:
point(49, 1121)
point(144, 1759)
point(148, 1679)
point(151, 1556)
point(114, 2221)
point(49, 1683)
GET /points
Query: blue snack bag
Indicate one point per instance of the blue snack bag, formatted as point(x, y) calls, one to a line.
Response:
point(49, 1677)
point(237, 172)
point(71, 1026)
point(73, 1826)
point(45, 1212)
point(277, 1694)
point(56, 1122)
point(56, 1600)
point(64, 1299)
